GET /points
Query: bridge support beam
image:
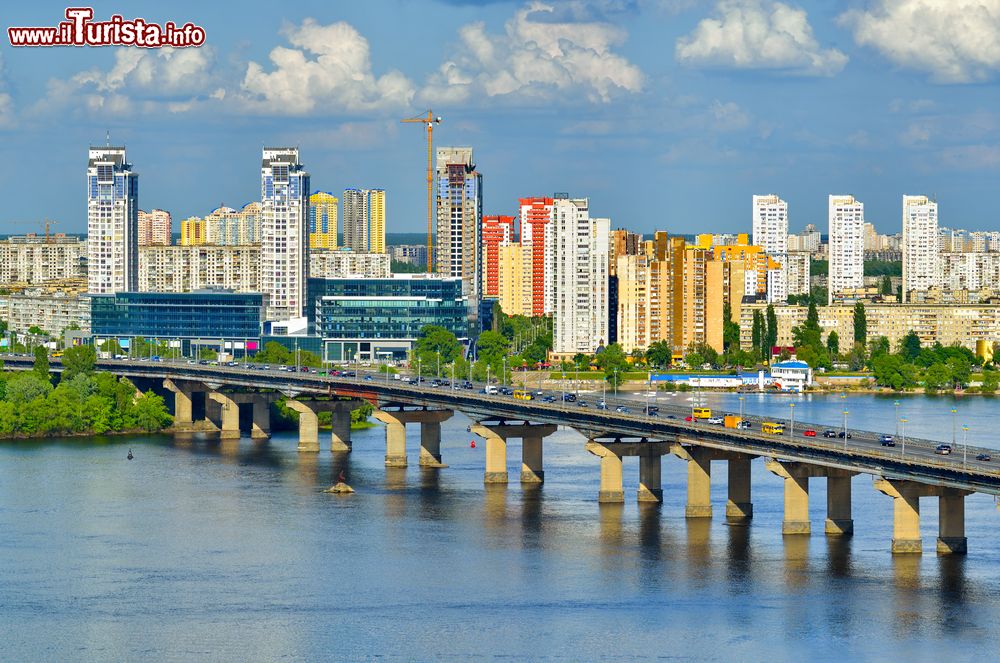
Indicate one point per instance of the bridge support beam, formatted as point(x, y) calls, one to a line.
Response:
point(496, 436)
point(182, 406)
point(739, 508)
point(430, 435)
point(650, 471)
point(906, 516)
point(230, 415)
point(611, 490)
point(838, 501)
point(839, 518)
point(308, 426)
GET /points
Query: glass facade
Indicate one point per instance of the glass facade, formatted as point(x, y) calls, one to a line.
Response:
point(378, 317)
point(188, 315)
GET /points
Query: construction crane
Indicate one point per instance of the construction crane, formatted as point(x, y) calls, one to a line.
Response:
point(430, 120)
point(47, 224)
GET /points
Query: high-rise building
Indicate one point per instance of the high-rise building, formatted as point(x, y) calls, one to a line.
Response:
point(580, 278)
point(920, 245)
point(225, 226)
point(644, 299)
point(154, 228)
point(623, 243)
point(364, 220)
point(189, 268)
point(323, 226)
point(459, 212)
point(413, 254)
point(33, 260)
point(112, 222)
point(770, 232)
point(799, 277)
point(847, 246)
point(537, 229)
point(284, 198)
point(497, 231)
point(193, 231)
point(513, 280)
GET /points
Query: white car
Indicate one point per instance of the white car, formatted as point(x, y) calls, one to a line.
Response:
point(718, 421)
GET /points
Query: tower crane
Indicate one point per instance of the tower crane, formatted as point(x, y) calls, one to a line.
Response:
point(429, 120)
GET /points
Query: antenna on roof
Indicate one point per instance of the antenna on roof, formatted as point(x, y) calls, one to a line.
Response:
point(107, 137)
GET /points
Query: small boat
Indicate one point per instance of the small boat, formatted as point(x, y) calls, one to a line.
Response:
point(130, 456)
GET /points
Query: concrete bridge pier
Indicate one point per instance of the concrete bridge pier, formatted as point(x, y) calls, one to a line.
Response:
point(308, 426)
point(839, 518)
point(340, 419)
point(739, 508)
point(182, 406)
point(906, 516)
point(650, 471)
point(430, 435)
point(611, 490)
point(496, 436)
point(611, 452)
point(229, 411)
point(839, 521)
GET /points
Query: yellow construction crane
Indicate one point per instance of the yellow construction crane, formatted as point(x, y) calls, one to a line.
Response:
point(430, 120)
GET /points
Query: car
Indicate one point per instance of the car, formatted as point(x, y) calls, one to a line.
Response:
point(602, 406)
point(622, 409)
point(984, 457)
point(887, 441)
point(743, 425)
point(717, 421)
point(689, 418)
point(653, 414)
point(569, 398)
point(841, 435)
point(368, 378)
point(943, 449)
point(506, 391)
point(491, 390)
point(809, 432)
point(549, 399)
point(304, 369)
point(467, 385)
point(582, 404)
point(829, 433)
point(652, 409)
point(349, 374)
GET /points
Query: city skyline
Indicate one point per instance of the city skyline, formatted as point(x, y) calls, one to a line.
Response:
point(675, 102)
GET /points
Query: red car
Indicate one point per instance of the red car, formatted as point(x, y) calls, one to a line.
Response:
point(689, 418)
point(809, 432)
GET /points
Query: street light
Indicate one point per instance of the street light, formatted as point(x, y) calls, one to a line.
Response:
point(954, 412)
point(845, 429)
point(616, 383)
point(741, 408)
point(896, 404)
point(791, 428)
point(965, 444)
point(903, 450)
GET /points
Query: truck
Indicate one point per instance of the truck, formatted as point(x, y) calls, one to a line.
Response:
point(733, 420)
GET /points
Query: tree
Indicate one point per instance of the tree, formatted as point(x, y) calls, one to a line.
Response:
point(757, 333)
point(614, 364)
point(730, 329)
point(856, 357)
point(885, 285)
point(492, 347)
point(78, 360)
point(936, 377)
point(149, 412)
point(833, 344)
point(991, 380)
point(860, 324)
point(41, 366)
point(880, 346)
point(909, 347)
point(433, 343)
point(26, 387)
point(771, 337)
point(891, 371)
point(659, 354)
point(960, 370)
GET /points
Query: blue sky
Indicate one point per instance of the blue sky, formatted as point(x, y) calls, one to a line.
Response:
point(668, 114)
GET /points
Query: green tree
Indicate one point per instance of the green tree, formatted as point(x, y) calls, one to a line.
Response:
point(960, 370)
point(434, 341)
point(78, 360)
point(856, 357)
point(880, 346)
point(41, 365)
point(860, 324)
point(659, 354)
point(991, 380)
point(614, 363)
point(149, 412)
point(891, 371)
point(26, 386)
point(936, 377)
point(757, 333)
point(885, 285)
point(833, 344)
point(909, 347)
point(730, 329)
point(771, 336)
point(492, 346)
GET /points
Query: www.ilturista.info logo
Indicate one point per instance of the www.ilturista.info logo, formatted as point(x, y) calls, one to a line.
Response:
point(80, 30)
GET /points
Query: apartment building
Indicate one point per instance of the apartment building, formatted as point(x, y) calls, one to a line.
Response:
point(920, 245)
point(846, 245)
point(187, 268)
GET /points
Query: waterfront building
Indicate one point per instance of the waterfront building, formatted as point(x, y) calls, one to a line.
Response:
point(413, 254)
point(643, 299)
point(770, 232)
point(378, 319)
point(188, 268)
point(847, 245)
point(33, 260)
point(364, 220)
point(580, 279)
point(497, 231)
point(193, 231)
point(221, 320)
point(343, 263)
point(155, 228)
point(323, 225)
point(284, 185)
point(920, 245)
point(459, 197)
point(112, 221)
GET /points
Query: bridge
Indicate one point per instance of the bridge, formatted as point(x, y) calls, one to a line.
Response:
point(213, 397)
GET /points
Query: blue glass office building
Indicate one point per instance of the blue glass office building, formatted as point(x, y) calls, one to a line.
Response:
point(375, 319)
point(222, 320)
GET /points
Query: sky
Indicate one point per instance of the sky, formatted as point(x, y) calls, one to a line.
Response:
point(667, 114)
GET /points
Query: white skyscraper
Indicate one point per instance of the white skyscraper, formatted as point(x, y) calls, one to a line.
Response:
point(770, 231)
point(847, 245)
point(580, 278)
point(459, 221)
point(920, 245)
point(284, 232)
point(112, 222)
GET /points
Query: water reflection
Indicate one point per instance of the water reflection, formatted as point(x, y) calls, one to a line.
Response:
point(650, 527)
point(610, 520)
point(395, 498)
point(495, 510)
point(838, 556)
point(738, 553)
point(907, 597)
point(532, 523)
point(699, 548)
point(796, 548)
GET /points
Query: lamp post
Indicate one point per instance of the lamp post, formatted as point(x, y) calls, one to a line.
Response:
point(418, 370)
point(616, 383)
point(845, 429)
point(896, 405)
point(453, 376)
point(965, 445)
point(903, 449)
point(954, 420)
point(741, 408)
point(791, 419)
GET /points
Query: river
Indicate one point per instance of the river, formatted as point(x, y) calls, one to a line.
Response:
point(201, 550)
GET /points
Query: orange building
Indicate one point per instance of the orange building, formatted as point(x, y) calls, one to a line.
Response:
point(497, 231)
point(536, 231)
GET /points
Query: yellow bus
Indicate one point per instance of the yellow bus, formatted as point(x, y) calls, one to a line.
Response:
point(523, 395)
point(771, 428)
point(702, 413)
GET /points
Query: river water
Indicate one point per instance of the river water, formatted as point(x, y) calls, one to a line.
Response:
point(201, 550)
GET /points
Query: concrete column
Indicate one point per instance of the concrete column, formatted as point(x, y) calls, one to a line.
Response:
point(796, 478)
point(839, 520)
point(229, 413)
point(905, 514)
point(340, 431)
point(650, 469)
point(739, 508)
point(531, 459)
point(183, 421)
point(699, 489)
point(308, 426)
point(951, 523)
point(430, 444)
point(261, 419)
point(395, 439)
point(496, 456)
point(611, 491)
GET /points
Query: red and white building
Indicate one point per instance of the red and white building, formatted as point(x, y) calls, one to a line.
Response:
point(497, 231)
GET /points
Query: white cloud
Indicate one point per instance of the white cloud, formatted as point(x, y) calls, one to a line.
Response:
point(539, 56)
point(955, 41)
point(728, 116)
point(328, 70)
point(758, 34)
